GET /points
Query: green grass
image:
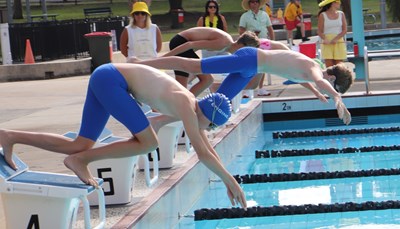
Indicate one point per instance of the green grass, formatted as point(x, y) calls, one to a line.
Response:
point(230, 8)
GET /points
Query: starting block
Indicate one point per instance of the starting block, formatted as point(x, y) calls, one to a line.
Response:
point(168, 137)
point(47, 200)
point(236, 101)
point(118, 174)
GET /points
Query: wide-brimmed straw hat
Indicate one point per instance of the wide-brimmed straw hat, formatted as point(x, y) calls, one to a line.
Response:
point(245, 4)
point(140, 7)
point(326, 2)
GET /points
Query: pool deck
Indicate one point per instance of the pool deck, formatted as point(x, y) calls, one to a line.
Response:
point(55, 106)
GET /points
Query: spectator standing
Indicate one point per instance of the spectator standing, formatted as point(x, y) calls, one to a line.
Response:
point(332, 27)
point(268, 9)
point(258, 21)
point(213, 19)
point(141, 38)
point(293, 16)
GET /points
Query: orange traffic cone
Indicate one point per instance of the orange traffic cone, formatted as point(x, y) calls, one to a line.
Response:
point(28, 53)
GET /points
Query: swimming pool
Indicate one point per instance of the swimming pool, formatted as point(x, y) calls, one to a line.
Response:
point(377, 40)
point(377, 44)
point(366, 188)
point(321, 191)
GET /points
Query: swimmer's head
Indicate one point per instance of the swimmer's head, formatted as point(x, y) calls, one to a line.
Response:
point(216, 107)
point(344, 78)
point(249, 38)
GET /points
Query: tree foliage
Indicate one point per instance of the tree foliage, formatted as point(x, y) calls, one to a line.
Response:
point(17, 10)
point(394, 9)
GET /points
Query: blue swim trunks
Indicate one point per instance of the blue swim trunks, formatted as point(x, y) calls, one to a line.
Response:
point(242, 66)
point(107, 95)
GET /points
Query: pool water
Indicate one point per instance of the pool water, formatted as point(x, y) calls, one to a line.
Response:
point(375, 44)
point(320, 191)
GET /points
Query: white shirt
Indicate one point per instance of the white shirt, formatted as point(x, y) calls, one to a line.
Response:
point(333, 26)
point(142, 43)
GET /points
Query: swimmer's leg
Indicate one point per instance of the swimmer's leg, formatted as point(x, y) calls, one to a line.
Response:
point(233, 84)
point(205, 81)
point(47, 141)
point(110, 90)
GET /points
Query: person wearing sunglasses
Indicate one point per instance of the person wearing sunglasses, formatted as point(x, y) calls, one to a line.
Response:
point(141, 38)
point(116, 90)
point(247, 61)
point(258, 21)
point(212, 17)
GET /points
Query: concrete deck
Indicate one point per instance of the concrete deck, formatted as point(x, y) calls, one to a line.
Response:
point(55, 106)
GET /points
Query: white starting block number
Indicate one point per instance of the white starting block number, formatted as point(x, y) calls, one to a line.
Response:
point(44, 200)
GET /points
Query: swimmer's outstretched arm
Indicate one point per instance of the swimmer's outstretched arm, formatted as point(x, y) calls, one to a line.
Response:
point(235, 194)
point(315, 91)
point(342, 111)
point(171, 62)
point(323, 85)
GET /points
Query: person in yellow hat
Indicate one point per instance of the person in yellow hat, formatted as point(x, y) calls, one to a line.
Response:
point(141, 38)
point(332, 27)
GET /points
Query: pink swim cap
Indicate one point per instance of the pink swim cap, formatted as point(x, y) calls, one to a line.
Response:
point(265, 44)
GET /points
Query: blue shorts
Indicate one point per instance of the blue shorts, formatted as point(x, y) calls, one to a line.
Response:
point(107, 95)
point(242, 66)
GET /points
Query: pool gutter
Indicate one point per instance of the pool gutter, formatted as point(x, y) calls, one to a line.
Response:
point(175, 196)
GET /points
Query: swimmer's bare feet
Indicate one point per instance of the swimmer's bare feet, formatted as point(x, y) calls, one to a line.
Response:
point(80, 168)
point(7, 146)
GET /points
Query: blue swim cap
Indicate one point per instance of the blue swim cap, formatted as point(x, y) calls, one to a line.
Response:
point(216, 107)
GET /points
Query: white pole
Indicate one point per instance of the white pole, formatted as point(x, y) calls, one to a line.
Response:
point(5, 44)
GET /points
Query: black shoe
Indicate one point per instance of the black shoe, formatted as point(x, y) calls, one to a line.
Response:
point(305, 39)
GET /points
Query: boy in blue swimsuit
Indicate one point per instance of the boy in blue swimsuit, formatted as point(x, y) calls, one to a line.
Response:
point(187, 42)
point(110, 92)
point(248, 61)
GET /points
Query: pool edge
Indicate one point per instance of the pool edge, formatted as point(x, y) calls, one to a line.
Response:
point(151, 209)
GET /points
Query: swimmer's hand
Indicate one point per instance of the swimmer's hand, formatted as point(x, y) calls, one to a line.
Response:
point(343, 113)
point(236, 195)
point(322, 98)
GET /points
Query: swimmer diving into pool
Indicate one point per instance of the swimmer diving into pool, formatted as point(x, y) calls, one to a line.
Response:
point(110, 92)
point(248, 61)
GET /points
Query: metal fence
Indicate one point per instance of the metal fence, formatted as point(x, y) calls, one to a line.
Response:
point(3, 3)
point(51, 40)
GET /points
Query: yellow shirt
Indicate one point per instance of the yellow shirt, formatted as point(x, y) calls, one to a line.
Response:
point(292, 11)
point(268, 10)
